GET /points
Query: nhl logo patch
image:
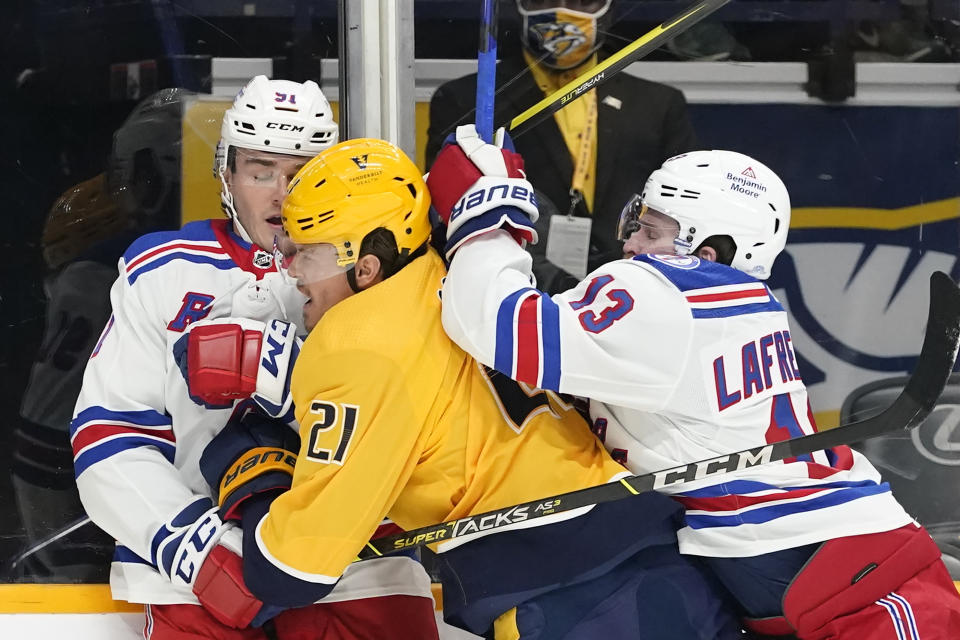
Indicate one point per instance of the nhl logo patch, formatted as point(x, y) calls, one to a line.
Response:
point(262, 259)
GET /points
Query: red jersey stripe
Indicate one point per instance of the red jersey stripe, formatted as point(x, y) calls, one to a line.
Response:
point(728, 295)
point(528, 341)
point(734, 502)
point(171, 247)
point(96, 432)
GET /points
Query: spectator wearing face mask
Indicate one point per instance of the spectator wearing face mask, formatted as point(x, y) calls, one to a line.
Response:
point(589, 156)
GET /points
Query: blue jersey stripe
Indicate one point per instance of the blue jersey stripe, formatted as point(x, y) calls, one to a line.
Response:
point(703, 274)
point(224, 264)
point(103, 451)
point(145, 418)
point(504, 351)
point(742, 487)
point(774, 511)
point(699, 274)
point(124, 554)
point(199, 231)
point(738, 310)
point(550, 335)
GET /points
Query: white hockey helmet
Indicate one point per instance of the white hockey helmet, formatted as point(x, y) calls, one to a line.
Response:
point(713, 193)
point(277, 116)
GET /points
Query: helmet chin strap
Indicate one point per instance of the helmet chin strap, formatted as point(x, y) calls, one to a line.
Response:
point(226, 199)
point(352, 279)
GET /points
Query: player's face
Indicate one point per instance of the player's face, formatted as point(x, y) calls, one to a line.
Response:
point(259, 186)
point(320, 279)
point(655, 233)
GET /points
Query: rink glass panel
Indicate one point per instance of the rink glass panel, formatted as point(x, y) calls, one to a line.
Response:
point(873, 178)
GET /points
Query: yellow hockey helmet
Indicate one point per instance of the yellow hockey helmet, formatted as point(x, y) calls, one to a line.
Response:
point(351, 189)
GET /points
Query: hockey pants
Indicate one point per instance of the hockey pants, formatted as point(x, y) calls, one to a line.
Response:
point(396, 617)
point(882, 586)
point(655, 595)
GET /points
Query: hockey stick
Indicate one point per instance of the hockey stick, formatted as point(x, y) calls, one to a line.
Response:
point(43, 543)
point(611, 66)
point(934, 365)
point(487, 70)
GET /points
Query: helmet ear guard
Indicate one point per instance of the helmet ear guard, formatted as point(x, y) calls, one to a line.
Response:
point(717, 193)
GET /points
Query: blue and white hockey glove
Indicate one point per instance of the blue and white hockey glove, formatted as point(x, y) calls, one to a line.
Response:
point(227, 359)
point(196, 549)
point(477, 187)
point(253, 455)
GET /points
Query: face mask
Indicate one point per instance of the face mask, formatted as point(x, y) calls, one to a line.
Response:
point(562, 38)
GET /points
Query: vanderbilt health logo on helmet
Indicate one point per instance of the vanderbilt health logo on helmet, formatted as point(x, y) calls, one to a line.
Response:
point(353, 188)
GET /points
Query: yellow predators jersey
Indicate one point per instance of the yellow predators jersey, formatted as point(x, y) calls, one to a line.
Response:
point(398, 421)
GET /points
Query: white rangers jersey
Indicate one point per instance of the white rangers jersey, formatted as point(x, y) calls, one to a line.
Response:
point(137, 436)
point(683, 360)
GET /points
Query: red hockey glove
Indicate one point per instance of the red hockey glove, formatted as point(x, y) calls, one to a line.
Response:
point(233, 358)
point(222, 362)
point(193, 549)
point(477, 187)
point(220, 589)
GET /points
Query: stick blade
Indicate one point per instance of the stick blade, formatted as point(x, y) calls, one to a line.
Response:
point(939, 352)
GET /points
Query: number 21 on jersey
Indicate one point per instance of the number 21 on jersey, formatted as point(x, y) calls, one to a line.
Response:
point(331, 432)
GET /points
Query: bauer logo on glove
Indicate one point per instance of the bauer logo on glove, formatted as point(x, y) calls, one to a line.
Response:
point(493, 194)
point(478, 187)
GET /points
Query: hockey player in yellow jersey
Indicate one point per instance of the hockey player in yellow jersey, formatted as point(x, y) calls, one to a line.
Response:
point(397, 421)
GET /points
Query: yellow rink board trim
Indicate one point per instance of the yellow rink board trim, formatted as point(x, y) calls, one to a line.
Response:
point(200, 190)
point(62, 598)
point(91, 598)
point(886, 219)
point(827, 419)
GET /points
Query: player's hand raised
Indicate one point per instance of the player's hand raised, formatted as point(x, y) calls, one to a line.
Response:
point(477, 187)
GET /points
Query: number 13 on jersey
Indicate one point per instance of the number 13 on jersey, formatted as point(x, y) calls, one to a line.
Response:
point(331, 432)
point(613, 306)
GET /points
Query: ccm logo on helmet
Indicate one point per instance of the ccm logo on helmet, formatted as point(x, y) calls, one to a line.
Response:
point(283, 126)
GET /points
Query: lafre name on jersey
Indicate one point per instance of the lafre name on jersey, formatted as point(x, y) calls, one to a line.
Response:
point(738, 378)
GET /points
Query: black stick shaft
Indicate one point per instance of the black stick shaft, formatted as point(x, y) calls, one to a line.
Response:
point(936, 361)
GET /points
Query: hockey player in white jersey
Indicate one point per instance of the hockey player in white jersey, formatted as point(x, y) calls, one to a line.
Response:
point(138, 435)
point(685, 355)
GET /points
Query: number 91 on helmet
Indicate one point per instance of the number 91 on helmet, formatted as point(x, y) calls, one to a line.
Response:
point(339, 197)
